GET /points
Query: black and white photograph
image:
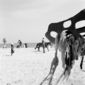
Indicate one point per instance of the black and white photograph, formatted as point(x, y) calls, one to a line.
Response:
point(42, 42)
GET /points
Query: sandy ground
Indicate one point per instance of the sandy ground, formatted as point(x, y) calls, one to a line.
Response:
point(29, 67)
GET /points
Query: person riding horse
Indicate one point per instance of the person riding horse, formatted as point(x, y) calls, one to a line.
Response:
point(38, 45)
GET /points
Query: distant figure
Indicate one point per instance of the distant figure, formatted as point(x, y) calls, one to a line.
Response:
point(25, 45)
point(43, 43)
point(38, 45)
point(19, 44)
point(12, 49)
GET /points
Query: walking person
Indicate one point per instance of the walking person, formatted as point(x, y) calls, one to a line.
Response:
point(12, 49)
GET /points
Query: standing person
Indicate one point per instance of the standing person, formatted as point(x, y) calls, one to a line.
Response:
point(25, 45)
point(20, 43)
point(12, 49)
point(43, 43)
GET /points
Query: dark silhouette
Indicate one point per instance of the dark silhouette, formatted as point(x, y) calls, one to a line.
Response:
point(25, 45)
point(38, 45)
point(81, 64)
point(4, 42)
point(70, 47)
point(58, 27)
point(43, 45)
point(60, 44)
point(12, 49)
point(19, 44)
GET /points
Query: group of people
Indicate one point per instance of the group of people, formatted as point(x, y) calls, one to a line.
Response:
point(20, 44)
point(12, 46)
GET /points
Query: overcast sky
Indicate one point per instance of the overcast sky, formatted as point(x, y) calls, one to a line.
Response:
point(28, 20)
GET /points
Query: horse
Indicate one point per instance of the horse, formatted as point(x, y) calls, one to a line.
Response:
point(38, 45)
point(70, 43)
